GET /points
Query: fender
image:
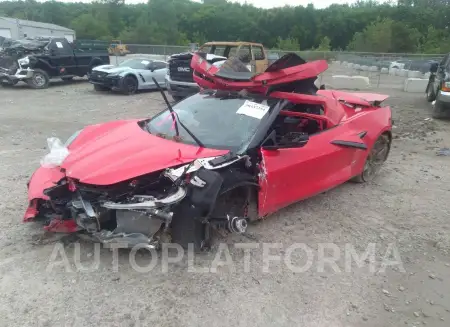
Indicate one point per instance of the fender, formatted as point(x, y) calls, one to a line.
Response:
point(45, 65)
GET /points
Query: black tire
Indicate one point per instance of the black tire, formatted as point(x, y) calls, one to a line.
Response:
point(100, 88)
point(440, 110)
point(377, 156)
point(39, 80)
point(129, 85)
point(430, 94)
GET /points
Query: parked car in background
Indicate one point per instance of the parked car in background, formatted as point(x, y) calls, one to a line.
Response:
point(36, 61)
point(438, 88)
point(129, 76)
point(179, 79)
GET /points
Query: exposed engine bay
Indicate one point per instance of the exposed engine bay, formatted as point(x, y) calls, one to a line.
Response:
point(141, 211)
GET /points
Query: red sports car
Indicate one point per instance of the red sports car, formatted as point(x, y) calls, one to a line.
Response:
point(239, 150)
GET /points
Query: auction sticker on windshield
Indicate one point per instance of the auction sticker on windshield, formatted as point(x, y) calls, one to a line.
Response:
point(145, 62)
point(253, 109)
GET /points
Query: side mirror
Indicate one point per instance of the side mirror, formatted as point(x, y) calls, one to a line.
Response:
point(434, 67)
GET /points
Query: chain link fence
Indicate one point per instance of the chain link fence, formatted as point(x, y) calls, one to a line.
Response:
point(384, 70)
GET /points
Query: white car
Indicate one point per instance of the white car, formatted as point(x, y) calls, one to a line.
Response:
point(129, 76)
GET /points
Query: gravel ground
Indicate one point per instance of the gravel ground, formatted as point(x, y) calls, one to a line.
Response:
point(404, 212)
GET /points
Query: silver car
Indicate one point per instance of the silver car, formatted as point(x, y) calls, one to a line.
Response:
point(129, 76)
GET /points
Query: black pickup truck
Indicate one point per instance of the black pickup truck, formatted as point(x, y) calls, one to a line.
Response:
point(36, 61)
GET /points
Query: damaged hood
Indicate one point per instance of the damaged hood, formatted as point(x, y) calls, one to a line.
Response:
point(111, 69)
point(109, 153)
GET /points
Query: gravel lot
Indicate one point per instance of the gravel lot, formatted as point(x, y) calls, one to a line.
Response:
point(406, 207)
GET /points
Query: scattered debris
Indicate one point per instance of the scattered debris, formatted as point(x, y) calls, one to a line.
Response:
point(401, 288)
point(386, 292)
point(416, 314)
point(432, 276)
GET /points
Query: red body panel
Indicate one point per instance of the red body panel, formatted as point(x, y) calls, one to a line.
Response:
point(205, 76)
point(117, 151)
point(291, 175)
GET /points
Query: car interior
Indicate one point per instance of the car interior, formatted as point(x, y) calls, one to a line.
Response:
point(295, 122)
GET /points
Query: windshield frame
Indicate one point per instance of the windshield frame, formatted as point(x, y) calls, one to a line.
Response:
point(256, 137)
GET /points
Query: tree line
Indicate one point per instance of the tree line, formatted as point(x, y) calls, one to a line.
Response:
point(365, 26)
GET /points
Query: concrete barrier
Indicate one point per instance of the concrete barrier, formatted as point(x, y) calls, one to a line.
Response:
point(350, 65)
point(357, 66)
point(350, 82)
point(365, 68)
point(415, 85)
point(402, 73)
point(373, 68)
point(393, 71)
point(426, 75)
point(384, 70)
point(414, 74)
point(149, 56)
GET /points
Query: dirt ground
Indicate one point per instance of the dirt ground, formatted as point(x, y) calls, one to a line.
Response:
point(405, 209)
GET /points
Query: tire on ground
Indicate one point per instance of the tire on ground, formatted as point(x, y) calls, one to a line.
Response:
point(39, 80)
point(385, 141)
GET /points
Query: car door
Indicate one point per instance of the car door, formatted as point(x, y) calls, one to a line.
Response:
point(62, 57)
point(293, 174)
point(159, 72)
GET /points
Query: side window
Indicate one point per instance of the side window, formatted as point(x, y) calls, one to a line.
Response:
point(206, 49)
point(258, 52)
point(218, 50)
point(232, 51)
point(245, 54)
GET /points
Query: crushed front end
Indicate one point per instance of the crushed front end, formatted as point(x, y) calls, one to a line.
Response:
point(139, 211)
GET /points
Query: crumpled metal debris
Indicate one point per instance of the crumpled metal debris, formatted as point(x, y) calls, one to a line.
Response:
point(443, 152)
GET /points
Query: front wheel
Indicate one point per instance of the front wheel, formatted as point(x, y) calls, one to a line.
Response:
point(431, 95)
point(129, 85)
point(375, 159)
point(39, 80)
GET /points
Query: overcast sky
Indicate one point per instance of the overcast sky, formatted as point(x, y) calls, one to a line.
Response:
point(257, 3)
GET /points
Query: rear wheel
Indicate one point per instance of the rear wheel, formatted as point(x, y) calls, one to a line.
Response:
point(374, 160)
point(129, 85)
point(39, 80)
